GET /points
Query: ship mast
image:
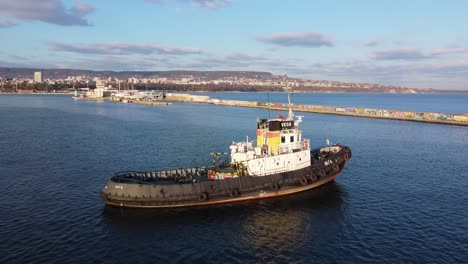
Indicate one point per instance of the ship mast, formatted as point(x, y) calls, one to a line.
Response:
point(291, 114)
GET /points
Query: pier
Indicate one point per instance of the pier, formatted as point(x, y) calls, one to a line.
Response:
point(361, 112)
point(401, 115)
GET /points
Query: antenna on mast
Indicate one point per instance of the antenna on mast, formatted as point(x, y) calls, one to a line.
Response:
point(291, 114)
point(268, 95)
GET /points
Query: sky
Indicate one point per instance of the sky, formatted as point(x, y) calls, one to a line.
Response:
point(418, 44)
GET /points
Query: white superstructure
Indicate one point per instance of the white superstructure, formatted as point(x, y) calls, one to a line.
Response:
point(279, 147)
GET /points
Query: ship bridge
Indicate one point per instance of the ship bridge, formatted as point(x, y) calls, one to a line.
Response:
point(274, 137)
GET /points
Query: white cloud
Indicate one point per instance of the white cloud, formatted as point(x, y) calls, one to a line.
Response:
point(82, 9)
point(399, 54)
point(211, 4)
point(6, 23)
point(244, 56)
point(371, 43)
point(445, 51)
point(121, 48)
point(301, 39)
point(207, 4)
point(48, 11)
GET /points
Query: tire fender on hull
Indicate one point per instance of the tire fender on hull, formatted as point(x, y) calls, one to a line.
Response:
point(203, 196)
point(234, 193)
point(322, 173)
point(313, 177)
point(275, 187)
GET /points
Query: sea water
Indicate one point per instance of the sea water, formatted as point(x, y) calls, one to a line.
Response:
point(401, 199)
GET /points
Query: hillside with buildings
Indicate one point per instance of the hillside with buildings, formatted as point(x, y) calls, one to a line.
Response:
point(247, 81)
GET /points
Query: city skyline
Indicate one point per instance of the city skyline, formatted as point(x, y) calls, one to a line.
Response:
point(412, 44)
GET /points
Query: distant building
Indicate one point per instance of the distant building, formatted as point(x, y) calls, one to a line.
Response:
point(37, 77)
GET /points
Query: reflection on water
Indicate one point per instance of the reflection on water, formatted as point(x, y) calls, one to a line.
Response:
point(278, 227)
point(284, 227)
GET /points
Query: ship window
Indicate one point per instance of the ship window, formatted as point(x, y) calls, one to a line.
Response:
point(283, 139)
point(291, 139)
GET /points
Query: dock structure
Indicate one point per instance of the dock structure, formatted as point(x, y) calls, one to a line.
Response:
point(414, 116)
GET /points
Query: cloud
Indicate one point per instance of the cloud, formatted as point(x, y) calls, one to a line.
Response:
point(244, 57)
point(411, 54)
point(121, 48)
point(115, 63)
point(451, 69)
point(229, 61)
point(302, 39)
point(437, 75)
point(445, 51)
point(371, 43)
point(5, 23)
point(48, 11)
point(82, 9)
point(211, 4)
point(399, 54)
point(207, 4)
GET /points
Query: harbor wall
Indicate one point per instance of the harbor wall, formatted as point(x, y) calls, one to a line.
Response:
point(427, 117)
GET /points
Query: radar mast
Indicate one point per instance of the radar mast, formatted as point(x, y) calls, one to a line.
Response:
point(289, 90)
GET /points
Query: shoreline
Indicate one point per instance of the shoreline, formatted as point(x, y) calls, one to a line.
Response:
point(398, 115)
point(262, 92)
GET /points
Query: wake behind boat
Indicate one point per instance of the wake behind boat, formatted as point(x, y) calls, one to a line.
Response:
point(279, 163)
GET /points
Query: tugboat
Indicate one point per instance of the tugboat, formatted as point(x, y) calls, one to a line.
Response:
point(280, 163)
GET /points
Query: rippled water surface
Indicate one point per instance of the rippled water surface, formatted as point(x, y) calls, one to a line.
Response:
point(401, 199)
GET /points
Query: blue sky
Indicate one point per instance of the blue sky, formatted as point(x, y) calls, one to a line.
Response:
point(421, 44)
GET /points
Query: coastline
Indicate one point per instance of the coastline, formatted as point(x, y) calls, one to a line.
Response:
point(359, 112)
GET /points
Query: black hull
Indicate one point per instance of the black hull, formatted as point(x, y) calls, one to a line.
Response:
point(153, 195)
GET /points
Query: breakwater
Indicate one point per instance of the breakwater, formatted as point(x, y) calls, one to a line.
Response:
point(402, 115)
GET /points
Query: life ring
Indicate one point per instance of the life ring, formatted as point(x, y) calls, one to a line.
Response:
point(275, 186)
point(234, 193)
point(303, 181)
point(321, 173)
point(313, 177)
point(203, 196)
